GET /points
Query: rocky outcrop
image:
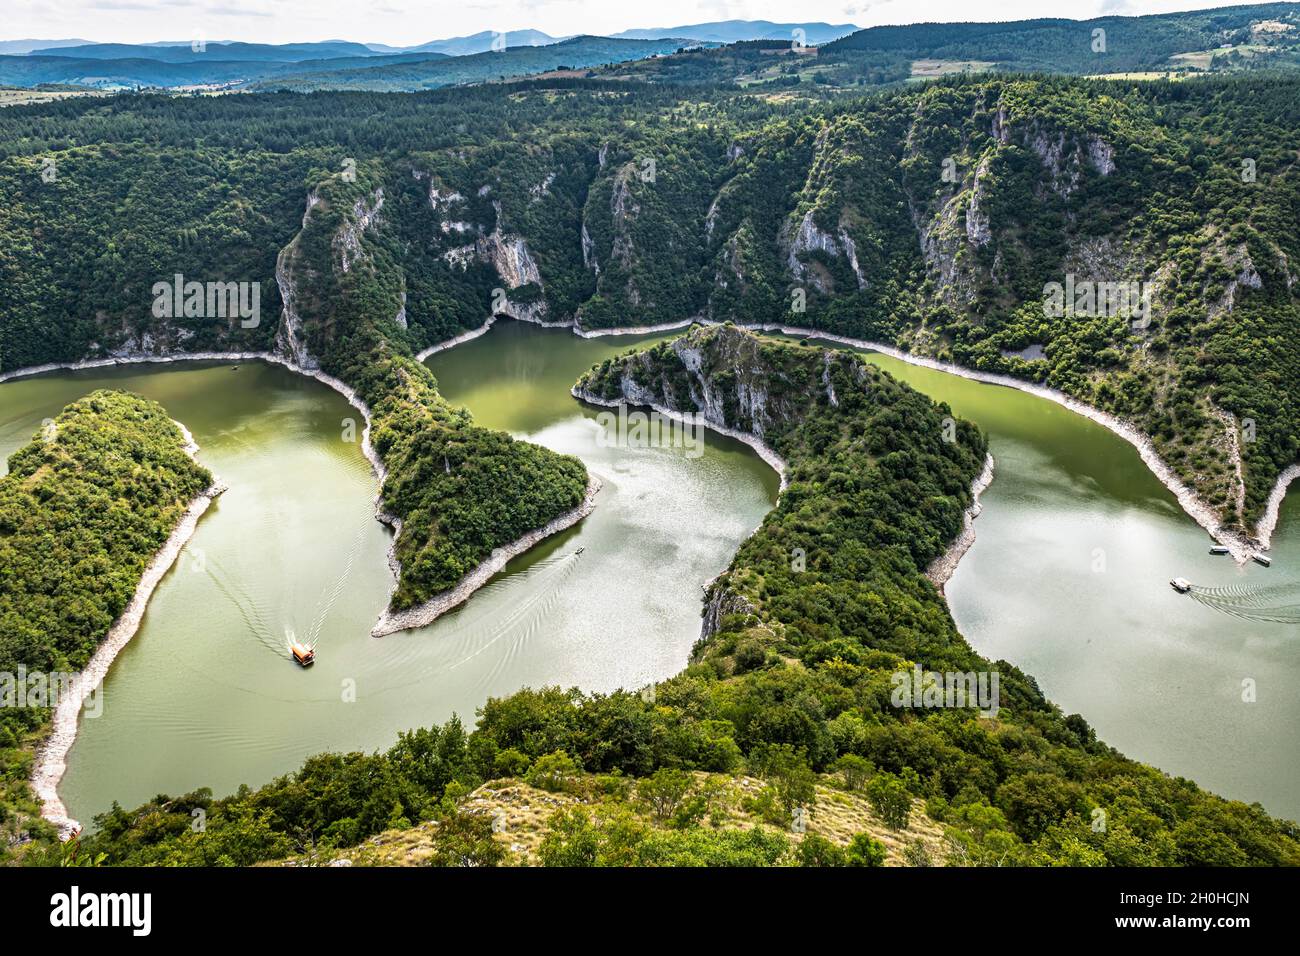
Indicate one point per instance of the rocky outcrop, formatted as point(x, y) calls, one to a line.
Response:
point(1064, 157)
point(808, 237)
point(507, 254)
point(941, 569)
point(589, 251)
point(979, 231)
point(510, 257)
point(623, 207)
point(347, 241)
point(400, 318)
point(289, 338)
point(719, 602)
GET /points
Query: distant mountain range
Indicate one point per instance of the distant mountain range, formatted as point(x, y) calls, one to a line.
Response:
point(734, 31)
point(191, 51)
point(21, 47)
point(330, 66)
point(483, 42)
point(1227, 39)
point(427, 71)
point(343, 64)
point(181, 51)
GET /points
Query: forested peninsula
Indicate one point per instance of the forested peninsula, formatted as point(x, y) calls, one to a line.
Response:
point(788, 704)
point(84, 510)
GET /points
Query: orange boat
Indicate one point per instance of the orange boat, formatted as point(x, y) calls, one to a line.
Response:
point(302, 654)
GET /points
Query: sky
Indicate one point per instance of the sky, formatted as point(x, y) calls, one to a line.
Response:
point(410, 22)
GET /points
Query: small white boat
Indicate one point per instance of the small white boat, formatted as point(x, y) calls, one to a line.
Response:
point(1263, 559)
point(1181, 585)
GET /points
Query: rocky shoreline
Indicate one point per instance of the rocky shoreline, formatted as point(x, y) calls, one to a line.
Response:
point(1268, 523)
point(942, 568)
point(1241, 547)
point(424, 614)
point(483, 329)
point(763, 450)
point(635, 329)
point(52, 756)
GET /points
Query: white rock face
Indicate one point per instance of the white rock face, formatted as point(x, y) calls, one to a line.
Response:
point(1066, 164)
point(348, 239)
point(400, 318)
point(542, 189)
point(851, 253)
point(440, 200)
point(589, 251)
point(810, 237)
point(1102, 155)
point(623, 207)
point(711, 217)
point(978, 229)
point(510, 257)
point(461, 257)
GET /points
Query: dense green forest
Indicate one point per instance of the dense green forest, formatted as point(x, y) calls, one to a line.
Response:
point(792, 683)
point(934, 218)
point(1070, 46)
point(83, 509)
point(458, 491)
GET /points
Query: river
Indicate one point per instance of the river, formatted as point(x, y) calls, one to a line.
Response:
point(205, 694)
point(1068, 579)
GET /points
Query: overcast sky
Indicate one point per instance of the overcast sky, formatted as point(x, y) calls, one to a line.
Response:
point(410, 22)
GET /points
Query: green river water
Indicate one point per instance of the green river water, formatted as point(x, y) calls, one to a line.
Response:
point(1067, 578)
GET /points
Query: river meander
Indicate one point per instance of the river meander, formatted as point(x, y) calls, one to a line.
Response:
point(1067, 579)
point(205, 695)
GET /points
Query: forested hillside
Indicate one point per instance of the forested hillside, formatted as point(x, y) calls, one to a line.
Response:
point(938, 218)
point(453, 491)
point(145, 203)
point(793, 683)
point(1268, 34)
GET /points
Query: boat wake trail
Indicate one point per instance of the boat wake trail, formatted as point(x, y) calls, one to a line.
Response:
point(327, 602)
point(1274, 604)
point(251, 610)
point(544, 580)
